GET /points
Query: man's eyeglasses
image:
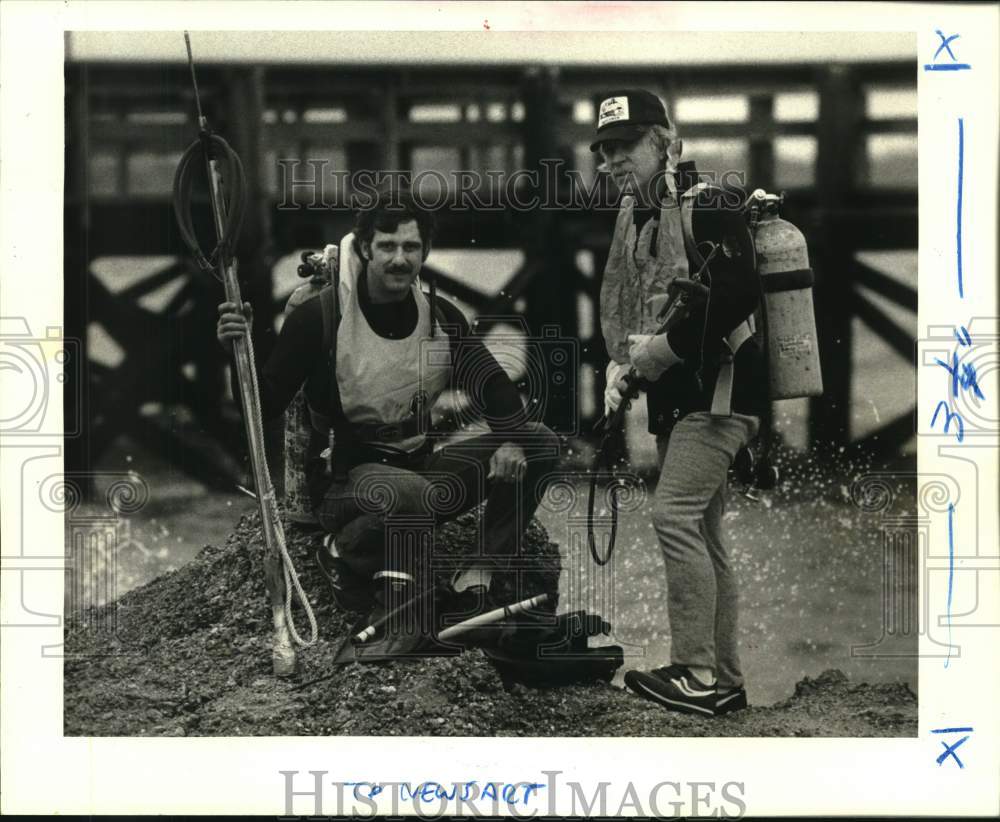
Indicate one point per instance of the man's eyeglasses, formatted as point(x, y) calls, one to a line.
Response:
point(609, 148)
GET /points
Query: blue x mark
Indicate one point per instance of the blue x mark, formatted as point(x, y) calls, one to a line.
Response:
point(949, 750)
point(944, 45)
point(954, 65)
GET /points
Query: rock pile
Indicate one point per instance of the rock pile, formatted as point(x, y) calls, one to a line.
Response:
point(189, 654)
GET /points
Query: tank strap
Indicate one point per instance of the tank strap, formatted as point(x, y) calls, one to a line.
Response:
point(787, 280)
point(722, 397)
point(331, 322)
point(687, 223)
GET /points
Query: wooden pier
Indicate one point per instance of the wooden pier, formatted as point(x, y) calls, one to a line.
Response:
point(126, 126)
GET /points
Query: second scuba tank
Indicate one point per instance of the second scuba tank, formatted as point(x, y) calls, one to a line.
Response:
point(319, 268)
point(786, 284)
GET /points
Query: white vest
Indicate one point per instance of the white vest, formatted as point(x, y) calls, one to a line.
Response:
point(388, 381)
point(632, 275)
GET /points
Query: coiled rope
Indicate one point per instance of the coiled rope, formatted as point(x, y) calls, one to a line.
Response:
point(269, 508)
point(234, 205)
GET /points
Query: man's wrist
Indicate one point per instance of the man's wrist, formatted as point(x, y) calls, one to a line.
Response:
point(659, 350)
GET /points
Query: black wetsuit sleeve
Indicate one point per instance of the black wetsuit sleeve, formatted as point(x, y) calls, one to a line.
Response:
point(476, 372)
point(734, 289)
point(291, 362)
point(730, 303)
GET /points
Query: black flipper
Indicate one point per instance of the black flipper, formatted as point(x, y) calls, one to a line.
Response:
point(556, 653)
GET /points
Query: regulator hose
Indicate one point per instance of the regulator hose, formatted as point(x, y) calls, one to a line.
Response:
point(608, 456)
point(234, 178)
point(603, 458)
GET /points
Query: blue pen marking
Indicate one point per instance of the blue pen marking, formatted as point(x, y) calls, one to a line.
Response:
point(945, 41)
point(965, 377)
point(949, 750)
point(949, 416)
point(954, 65)
point(961, 164)
point(430, 791)
point(951, 576)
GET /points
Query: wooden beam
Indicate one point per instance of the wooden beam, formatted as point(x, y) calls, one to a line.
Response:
point(881, 229)
point(900, 293)
point(740, 130)
point(148, 136)
point(900, 340)
point(904, 125)
point(359, 129)
point(137, 227)
point(460, 291)
point(146, 227)
point(456, 134)
point(504, 301)
point(153, 281)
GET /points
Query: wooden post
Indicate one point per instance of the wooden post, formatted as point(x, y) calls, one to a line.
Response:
point(255, 248)
point(390, 125)
point(366, 154)
point(551, 296)
point(76, 268)
point(761, 155)
point(841, 109)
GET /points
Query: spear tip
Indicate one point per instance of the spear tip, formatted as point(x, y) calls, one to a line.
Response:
point(194, 79)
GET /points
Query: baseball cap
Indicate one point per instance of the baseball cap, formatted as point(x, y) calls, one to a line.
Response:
point(625, 115)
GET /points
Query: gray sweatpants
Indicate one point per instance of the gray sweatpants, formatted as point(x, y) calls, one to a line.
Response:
point(702, 596)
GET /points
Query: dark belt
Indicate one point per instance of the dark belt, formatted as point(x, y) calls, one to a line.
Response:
point(372, 432)
point(348, 456)
point(387, 432)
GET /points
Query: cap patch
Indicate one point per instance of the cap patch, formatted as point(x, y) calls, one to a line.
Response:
point(613, 110)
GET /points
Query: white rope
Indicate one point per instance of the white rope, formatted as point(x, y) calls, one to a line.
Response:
point(269, 504)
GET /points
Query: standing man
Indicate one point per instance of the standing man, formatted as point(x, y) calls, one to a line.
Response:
point(704, 378)
point(374, 353)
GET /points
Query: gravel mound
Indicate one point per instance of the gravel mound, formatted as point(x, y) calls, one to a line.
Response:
point(189, 655)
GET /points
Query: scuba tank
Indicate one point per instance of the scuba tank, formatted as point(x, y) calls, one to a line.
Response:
point(789, 327)
point(319, 268)
point(786, 282)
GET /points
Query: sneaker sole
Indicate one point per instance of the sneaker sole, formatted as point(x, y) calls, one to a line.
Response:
point(731, 704)
point(671, 704)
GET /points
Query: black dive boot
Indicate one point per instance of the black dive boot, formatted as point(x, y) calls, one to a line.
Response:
point(351, 592)
point(393, 607)
point(467, 596)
